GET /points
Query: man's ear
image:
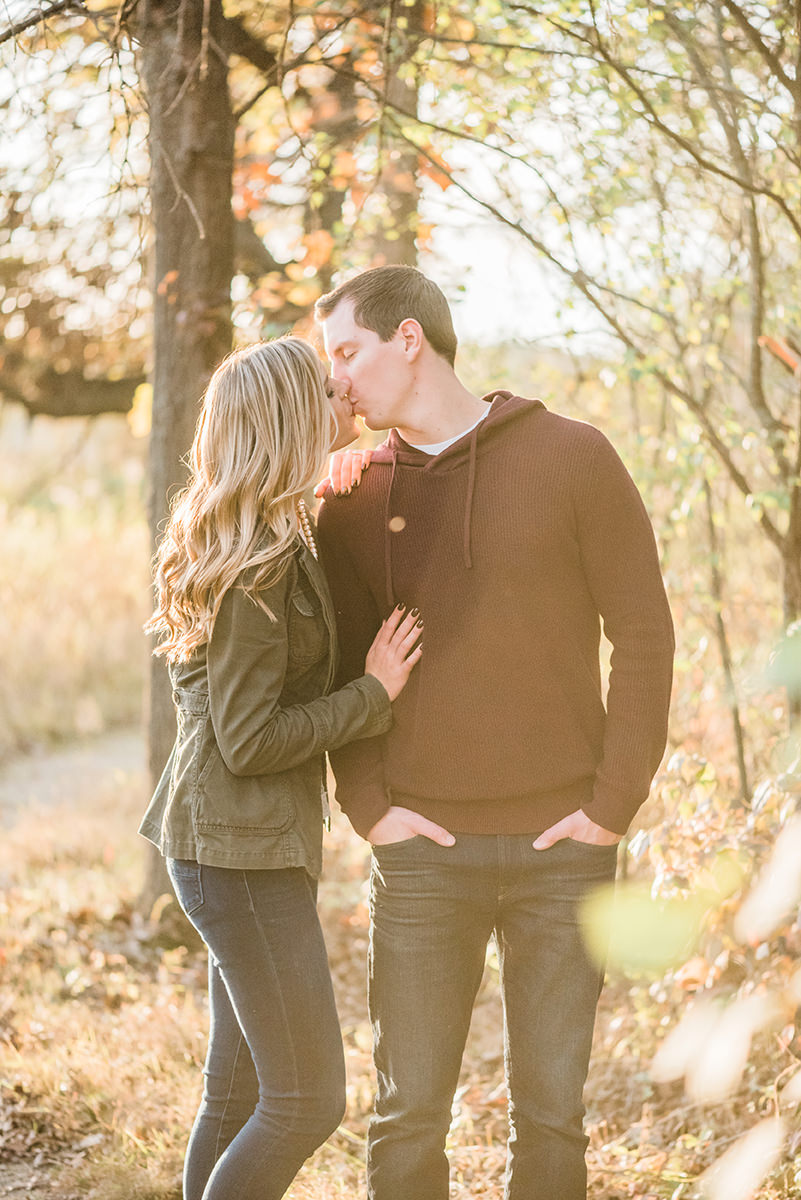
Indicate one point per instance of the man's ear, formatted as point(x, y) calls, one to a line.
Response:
point(412, 336)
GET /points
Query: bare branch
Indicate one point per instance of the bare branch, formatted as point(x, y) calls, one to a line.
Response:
point(238, 40)
point(251, 256)
point(42, 14)
point(181, 192)
point(70, 394)
point(730, 122)
point(585, 286)
point(706, 164)
point(761, 47)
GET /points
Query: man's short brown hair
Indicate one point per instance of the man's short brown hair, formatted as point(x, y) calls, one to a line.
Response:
point(384, 296)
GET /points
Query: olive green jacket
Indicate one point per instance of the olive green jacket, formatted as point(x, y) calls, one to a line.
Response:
point(245, 783)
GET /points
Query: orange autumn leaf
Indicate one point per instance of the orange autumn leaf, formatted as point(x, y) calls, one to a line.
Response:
point(366, 109)
point(326, 108)
point(692, 974)
point(261, 170)
point(345, 164)
point(304, 294)
point(435, 168)
point(367, 65)
point(401, 181)
point(165, 281)
point(358, 194)
point(319, 245)
point(244, 202)
point(268, 297)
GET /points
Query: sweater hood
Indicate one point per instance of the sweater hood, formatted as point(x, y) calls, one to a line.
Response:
point(395, 453)
point(503, 408)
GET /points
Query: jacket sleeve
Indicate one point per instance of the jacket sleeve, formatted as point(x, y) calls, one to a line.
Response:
point(621, 566)
point(247, 661)
point(359, 767)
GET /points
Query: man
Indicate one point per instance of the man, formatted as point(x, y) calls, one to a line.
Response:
point(495, 803)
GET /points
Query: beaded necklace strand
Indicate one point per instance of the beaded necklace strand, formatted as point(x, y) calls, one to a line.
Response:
point(305, 527)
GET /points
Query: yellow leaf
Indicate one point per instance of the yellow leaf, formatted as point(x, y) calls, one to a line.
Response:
point(304, 294)
point(140, 413)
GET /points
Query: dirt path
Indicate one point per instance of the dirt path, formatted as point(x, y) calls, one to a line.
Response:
point(54, 777)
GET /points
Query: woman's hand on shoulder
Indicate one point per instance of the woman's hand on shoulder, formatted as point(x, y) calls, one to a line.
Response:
point(395, 650)
point(345, 471)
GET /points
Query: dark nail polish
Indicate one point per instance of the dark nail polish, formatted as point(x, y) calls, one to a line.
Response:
point(418, 624)
point(415, 612)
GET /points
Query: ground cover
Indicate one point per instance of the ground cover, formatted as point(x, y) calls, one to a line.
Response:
point(103, 1023)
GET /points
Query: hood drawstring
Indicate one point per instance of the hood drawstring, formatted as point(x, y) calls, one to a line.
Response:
point(468, 504)
point(468, 514)
point(388, 535)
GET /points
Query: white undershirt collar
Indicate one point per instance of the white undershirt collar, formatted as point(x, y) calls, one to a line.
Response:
point(438, 447)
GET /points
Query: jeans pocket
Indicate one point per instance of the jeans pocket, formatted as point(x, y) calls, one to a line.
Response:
point(185, 876)
point(382, 847)
point(583, 860)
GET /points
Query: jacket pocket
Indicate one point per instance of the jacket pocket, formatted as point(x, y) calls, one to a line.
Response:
point(193, 745)
point(242, 805)
point(307, 635)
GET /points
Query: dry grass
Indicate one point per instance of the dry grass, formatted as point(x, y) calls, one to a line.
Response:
point(103, 1031)
point(73, 579)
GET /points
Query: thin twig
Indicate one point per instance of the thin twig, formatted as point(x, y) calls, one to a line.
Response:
point(182, 194)
point(43, 14)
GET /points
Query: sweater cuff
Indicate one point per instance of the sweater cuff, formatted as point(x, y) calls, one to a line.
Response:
point(366, 811)
point(611, 809)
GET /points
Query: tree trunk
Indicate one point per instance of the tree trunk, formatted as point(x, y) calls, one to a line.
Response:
point(191, 150)
point(716, 579)
point(395, 242)
point(791, 594)
point(791, 583)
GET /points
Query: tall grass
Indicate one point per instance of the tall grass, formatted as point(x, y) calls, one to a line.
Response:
point(73, 578)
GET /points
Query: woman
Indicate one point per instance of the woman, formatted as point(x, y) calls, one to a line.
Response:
point(248, 631)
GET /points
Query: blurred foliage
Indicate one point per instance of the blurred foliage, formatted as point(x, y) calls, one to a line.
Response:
point(73, 578)
point(649, 156)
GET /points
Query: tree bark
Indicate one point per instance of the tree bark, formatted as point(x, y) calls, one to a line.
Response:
point(716, 578)
point(191, 151)
point(791, 580)
point(396, 242)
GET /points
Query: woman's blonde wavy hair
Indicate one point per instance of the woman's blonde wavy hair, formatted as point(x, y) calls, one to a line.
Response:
point(262, 439)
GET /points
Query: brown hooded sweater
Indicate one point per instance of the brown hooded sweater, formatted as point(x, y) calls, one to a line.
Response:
point(514, 543)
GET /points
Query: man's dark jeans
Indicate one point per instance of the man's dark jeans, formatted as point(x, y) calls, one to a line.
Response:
point(434, 909)
point(274, 1079)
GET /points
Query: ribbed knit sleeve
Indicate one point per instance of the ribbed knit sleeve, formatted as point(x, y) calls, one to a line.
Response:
point(359, 767)
point(621, 565)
